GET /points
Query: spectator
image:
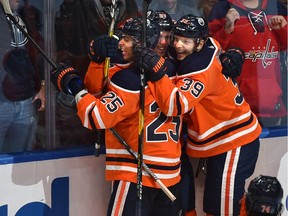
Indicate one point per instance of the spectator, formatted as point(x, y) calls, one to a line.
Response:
point(284, 63)
point(221, 127)
point(174, 8)
point(260, 30)
point(22, 84)
point(119, 108)
point(205, 6)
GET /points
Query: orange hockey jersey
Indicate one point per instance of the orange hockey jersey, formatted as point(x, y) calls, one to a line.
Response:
point(119, 108)
point(219, 119)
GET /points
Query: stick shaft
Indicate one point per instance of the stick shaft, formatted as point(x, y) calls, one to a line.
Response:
point(106, 70)
point(6, 6)
point(145, 167)
point(9, 14)
point(110, 33)
point(145, 6)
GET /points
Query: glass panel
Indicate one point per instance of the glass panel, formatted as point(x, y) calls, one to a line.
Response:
point(77, 23)
point(253, 28)
point(69, 27)
point(22, 88)
point(175, 8)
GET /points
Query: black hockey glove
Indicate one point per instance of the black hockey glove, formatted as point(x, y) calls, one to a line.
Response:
point(103, 46)
point(232, 61)
point(155, 66)
point(66, 79)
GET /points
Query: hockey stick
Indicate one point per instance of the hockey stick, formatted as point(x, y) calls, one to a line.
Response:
point(146, 168)
point(141, 115)
point(9, 15)
point(114, 14)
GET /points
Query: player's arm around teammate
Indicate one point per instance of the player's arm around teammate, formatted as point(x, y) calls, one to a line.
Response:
point(221, 126)
point(119, 108)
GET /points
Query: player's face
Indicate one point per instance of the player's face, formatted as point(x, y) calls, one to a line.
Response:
point(163, 43)
point(126, 45)
point(183, 46)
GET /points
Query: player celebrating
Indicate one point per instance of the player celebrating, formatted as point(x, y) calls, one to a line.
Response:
point(163, 49)
point(119, 108)
point(165, 23)
point(221, 126)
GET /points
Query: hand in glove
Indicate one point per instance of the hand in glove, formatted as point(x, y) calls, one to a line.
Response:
point(103, 46)
point(232, 61)
point(155, 66)
point(66, 79)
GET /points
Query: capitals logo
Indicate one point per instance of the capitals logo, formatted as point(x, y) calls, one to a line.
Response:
point(266, 54)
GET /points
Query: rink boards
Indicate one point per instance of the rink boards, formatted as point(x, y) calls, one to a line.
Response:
point(72, 182)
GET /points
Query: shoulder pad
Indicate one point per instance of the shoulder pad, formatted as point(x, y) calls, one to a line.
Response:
point(128, 78)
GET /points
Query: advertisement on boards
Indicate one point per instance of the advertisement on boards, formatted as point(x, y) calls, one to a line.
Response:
point(67, 187)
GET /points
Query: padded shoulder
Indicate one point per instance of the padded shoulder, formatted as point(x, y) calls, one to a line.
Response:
point(128, 78)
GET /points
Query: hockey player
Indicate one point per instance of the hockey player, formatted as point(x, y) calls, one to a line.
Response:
point(119, 108)
point(263, 198)
point(232, 67)
point(103, 42)
point(77, 22)
point(165, 23)
point(221, 126)
point(163, 49)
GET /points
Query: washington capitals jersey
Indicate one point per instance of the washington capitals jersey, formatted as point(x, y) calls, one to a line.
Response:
point(119, 108)
point(218, 117)
point(260, 79)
